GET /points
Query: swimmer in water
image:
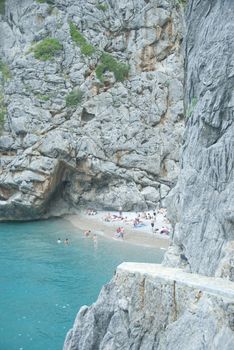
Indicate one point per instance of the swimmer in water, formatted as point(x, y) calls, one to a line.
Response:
point(59, 240)
point(66, 241)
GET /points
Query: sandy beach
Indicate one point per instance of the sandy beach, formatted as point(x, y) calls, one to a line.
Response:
point(141, 236)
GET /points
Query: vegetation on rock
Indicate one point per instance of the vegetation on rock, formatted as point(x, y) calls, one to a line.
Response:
point(86, 48)
point(50, 2)
point(6, 75)
point(2, 117)
point(47, 49)
point(5, 71)
point(2, 111)
point(74, 98)
point(2, 7)
point(191, 107)
point(102, 7)
point(109, 63)
point(42, 97)
point(181, 2)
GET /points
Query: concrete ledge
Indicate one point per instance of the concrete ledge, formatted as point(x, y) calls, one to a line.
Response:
point(212, 285)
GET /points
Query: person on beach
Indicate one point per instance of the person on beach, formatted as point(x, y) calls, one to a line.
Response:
point(164, 230)
point(121, 233)
point(137, 222)
point(152, 224)
point(118, 232)
point(120, 212)
point(107, 217)
point(59, 241)
point(87, 233)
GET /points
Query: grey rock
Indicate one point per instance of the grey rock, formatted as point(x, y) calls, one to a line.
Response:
point(6, 142)
point(121, 138)
point(151, 194)
point(147, 306)
point(203, 199)
point(155, 307)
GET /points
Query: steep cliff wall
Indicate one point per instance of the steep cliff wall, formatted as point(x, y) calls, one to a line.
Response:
point(202, 204)
point(79, 127)
point(150, 307)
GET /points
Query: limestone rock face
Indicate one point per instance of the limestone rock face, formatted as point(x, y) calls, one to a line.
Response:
point(147, 306)
point(120, 144)
point(152, 307)
point(202, 204)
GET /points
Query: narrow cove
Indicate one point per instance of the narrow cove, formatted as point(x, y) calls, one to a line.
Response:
point(43, 284)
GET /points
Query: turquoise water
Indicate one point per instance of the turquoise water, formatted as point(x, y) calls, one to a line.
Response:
point(43, 284)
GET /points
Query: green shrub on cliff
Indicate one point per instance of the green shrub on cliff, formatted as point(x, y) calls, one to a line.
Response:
point(50, 2)
point(6, 74)
point(102, 7)
point(2, 117)
point(2, 7)
point(47, 49)
point(181, 2)
point(191, 107)
point(74, 98)
point(42, 97)
point(109, 63)
point(86, 48)
point(2, 111)
point(5, 70)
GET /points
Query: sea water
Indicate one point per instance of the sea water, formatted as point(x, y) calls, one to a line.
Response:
point(43, 283)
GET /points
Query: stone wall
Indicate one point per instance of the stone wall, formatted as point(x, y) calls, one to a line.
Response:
point(147, 306)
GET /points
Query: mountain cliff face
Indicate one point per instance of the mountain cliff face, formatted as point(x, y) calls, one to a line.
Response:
point(202, 204)
point(91, 105)
point(150, 307)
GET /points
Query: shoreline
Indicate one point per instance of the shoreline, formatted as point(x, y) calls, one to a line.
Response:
point(137, 236)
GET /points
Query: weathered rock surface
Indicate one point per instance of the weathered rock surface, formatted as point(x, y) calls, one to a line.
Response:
point(120, 146)
point(152, 307)
point(147, 306)
point(202, 204)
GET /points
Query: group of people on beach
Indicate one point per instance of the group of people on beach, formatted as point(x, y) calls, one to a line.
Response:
point(140, 220)
point(91, 211)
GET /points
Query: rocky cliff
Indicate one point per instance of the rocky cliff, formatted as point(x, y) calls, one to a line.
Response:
point(91, 104)
point(202, 204)
point(149, 307)
point(156, 307)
